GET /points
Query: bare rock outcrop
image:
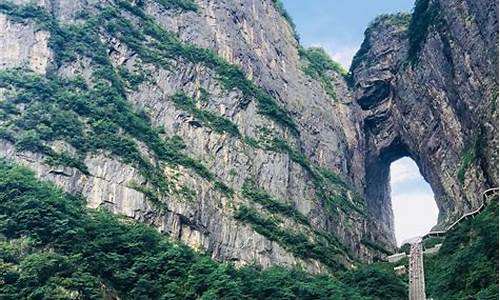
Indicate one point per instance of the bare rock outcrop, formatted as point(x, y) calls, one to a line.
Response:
point(429, 90)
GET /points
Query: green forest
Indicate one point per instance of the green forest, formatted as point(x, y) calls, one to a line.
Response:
point(466, 266)
point(52, 247)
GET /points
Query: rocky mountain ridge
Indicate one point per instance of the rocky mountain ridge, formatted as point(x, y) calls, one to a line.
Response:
point(209, 121)
point(432, 96)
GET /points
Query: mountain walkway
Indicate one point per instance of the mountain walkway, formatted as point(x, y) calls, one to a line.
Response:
point(416, 261)
point(486, 194)
point(416, 272)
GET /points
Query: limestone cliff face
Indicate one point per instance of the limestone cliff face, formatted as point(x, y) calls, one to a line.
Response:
point(284, 164)
point(273, 168)
point(433, 98)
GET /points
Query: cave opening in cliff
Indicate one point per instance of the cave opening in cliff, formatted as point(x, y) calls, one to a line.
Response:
point(413, 205)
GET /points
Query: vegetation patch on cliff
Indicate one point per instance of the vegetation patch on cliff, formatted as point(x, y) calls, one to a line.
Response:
point(280, 7)
point(320, 66)
point(183, 5)
point(425, 16)
point(52, 247)
point(431, 242)
point(66, 159)
point(251, 191)
point(322, 248)
point(399, 20)
point(470, 156)
point(213, 121)
point(89, 117)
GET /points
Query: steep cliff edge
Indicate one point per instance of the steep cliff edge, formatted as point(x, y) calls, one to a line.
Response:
point(428, 88)
point(210, 122)
point(198, 118)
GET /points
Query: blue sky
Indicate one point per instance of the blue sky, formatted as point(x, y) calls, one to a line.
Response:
point(338, 25)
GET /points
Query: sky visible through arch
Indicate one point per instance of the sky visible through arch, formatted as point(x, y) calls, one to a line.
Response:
point(338, 25)
point(415, 210)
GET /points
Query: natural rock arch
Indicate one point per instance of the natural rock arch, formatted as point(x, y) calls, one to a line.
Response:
point(418, 109)
point(377, 190)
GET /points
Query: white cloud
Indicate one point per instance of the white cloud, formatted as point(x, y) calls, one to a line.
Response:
point(413, 204)
point(340, 54)
point(414, 214)
point(404, 170)
point(344, 55)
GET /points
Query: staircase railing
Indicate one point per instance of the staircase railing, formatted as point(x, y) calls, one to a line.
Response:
point(486, 194)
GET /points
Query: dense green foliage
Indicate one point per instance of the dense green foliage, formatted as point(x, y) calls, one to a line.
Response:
point(405, 248)
point(425, 16)
point(51, 247)
point(251, 191)
point(213, 121)
point(466, 266)
point(431, 242)
point(185, 5)
point(377, 280)
point(318, 66)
